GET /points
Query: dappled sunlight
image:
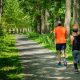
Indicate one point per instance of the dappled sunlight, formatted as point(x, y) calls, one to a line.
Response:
point(39, 63)
point(60, 78)
point(60, 69)
point(44, 67)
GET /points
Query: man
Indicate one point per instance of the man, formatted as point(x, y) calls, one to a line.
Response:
point(60, 33)
point(75, 43)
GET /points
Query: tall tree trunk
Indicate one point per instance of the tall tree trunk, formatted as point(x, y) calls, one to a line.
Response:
point(79, 11)
point(42, 22)
point(46, 21)
point(38, 24)
point(1, 29)
point(75, 12)
point(0, 9)
point(68, 15)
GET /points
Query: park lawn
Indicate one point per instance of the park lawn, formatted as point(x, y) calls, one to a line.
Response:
point(10, 68)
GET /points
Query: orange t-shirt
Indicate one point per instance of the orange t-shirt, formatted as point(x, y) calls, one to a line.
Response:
point(60, 34)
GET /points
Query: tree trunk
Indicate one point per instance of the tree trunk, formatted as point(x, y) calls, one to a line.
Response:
point(38, 19)
point(42, 22)
point(46, 21)
point(79, 11)
point(1, 29)
point(68, 15)
point(75, 12)
point(0, 9)
point(79, 16)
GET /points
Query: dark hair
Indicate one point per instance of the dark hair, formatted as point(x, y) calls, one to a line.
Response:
point(75, 30)
point(59, 23)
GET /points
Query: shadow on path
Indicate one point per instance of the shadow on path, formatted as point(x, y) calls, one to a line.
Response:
point(39, 63)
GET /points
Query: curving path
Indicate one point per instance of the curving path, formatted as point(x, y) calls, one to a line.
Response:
point(39, 63)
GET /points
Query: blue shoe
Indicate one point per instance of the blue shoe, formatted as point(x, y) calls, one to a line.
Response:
point(65, 63)
point(59, 63)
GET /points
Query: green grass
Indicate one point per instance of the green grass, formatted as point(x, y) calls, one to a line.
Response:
point(10, 68)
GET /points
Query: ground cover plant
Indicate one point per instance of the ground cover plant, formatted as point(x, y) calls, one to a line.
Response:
point(10, 68)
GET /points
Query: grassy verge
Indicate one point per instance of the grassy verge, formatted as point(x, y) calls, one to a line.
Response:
point(10, 68)
point(46, 41)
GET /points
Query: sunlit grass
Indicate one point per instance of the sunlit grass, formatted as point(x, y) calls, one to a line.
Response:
point(7, 68)
point(15, 76)
point(9, 61)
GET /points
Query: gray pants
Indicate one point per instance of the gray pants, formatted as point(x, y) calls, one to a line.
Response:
point(76, 55)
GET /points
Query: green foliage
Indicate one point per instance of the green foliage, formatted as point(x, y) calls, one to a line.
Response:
point(44, 39)
point(14, 15)
point(32, 35)
point(23, 13)
point(10, 68)
point(57, 9)
point(69, 50)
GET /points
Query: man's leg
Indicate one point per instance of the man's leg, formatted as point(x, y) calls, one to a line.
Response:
point(58, 48)
point(64, 57)
point(63, 47)
point(59, 56)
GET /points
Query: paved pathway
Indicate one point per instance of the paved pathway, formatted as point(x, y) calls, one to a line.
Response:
point(40, 64)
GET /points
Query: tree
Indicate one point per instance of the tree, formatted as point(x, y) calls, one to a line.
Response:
point(47, 27)
point(76, 12)
point(68, 15)
point(0, 9)
point(1, 28)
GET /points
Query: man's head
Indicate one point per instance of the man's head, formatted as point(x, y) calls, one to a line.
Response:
point(59, 23)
